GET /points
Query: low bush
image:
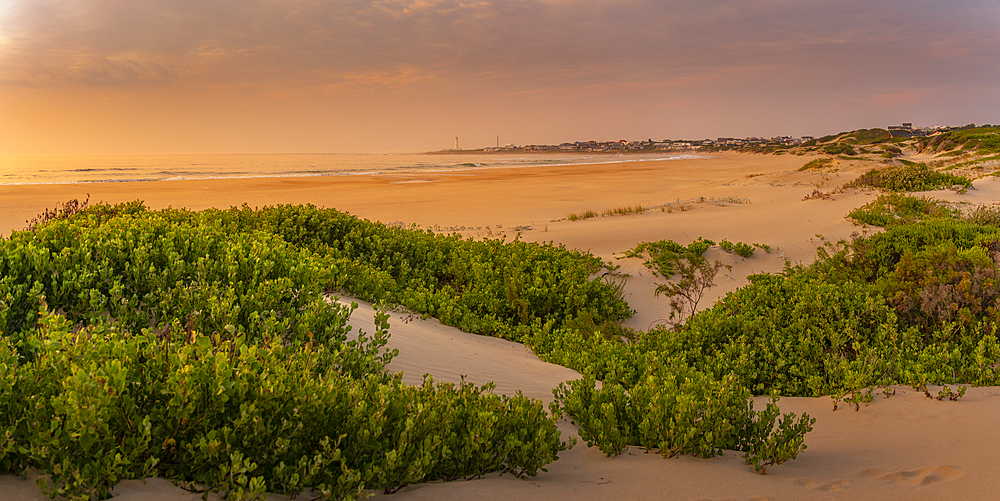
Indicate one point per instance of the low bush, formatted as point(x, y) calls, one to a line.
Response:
point(839, 149)
point(655, 395)
point(683, 413)
point(489, 287)
point(897, 208)
point(916, 304)
point(890, 151)
point(871, 136)
point(984, 215)
point(661, 257)
point(200, 347)
point(739, 248)
point(908, 177)
point(817, 164)
point(984, 140)
point(97, 406)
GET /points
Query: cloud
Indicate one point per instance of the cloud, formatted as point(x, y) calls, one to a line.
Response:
point(588, 65)
point(321, 43)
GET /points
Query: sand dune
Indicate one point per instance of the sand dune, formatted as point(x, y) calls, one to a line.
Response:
point(903, 447)
point(449, 355)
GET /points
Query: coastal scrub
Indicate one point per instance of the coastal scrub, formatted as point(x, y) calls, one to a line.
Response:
point(200, 347)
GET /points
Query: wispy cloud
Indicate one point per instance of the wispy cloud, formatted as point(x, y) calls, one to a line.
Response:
point(84, 40)
point(525, 53)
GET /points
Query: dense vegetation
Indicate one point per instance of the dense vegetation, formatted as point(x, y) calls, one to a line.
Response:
point(968, 140)
point(199, 347)
point(897, 208)
point(839, 149)
point(867, 136)
point(817, 164)
point(98, 405)
point(488, 287)
point(983, 140)
point(861, 141)
point(909, 177)
point(917, 304)
point(657, 399)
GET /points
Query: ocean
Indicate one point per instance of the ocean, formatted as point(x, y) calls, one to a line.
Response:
point(66, 169)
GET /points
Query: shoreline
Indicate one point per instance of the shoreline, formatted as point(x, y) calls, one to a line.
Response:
point(606, 158)
point(357, 194)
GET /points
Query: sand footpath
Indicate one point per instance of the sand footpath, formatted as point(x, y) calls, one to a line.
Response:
point(902, 447)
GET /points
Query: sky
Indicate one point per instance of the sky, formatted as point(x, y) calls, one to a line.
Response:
point(263, 76)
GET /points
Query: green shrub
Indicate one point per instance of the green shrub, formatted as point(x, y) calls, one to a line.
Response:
point(916, 304)
point(686, 413)
point(659, 396)
point(697, 275)
point(662, 256)
point(944, 285)
point(490, 287)
point(99, 406)
point(897, 208)
point(739, 248)
point(984, 140)
point(839, 149)
point(200, 347)
point(891, 151)
point(144, 271)
point(908, 177)
point(984, 215)
point(870, 136)
point(817, 164)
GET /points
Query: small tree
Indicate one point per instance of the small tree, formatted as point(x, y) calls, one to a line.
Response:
point(697, 275)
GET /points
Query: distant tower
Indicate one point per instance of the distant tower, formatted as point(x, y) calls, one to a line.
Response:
point(498, 141)
point(456, 142)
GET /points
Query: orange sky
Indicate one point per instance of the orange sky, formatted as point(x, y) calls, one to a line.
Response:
point(170, 76)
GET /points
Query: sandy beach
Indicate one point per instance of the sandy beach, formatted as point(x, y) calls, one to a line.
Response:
point(902, 447)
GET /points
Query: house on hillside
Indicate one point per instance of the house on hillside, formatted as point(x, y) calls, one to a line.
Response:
point(905, 130)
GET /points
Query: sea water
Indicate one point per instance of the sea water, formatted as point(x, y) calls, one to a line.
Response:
point(49, 169)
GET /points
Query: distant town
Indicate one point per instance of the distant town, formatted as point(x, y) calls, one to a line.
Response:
point(905, 130)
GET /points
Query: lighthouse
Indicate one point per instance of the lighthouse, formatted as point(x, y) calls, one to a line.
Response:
point(456, 142)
